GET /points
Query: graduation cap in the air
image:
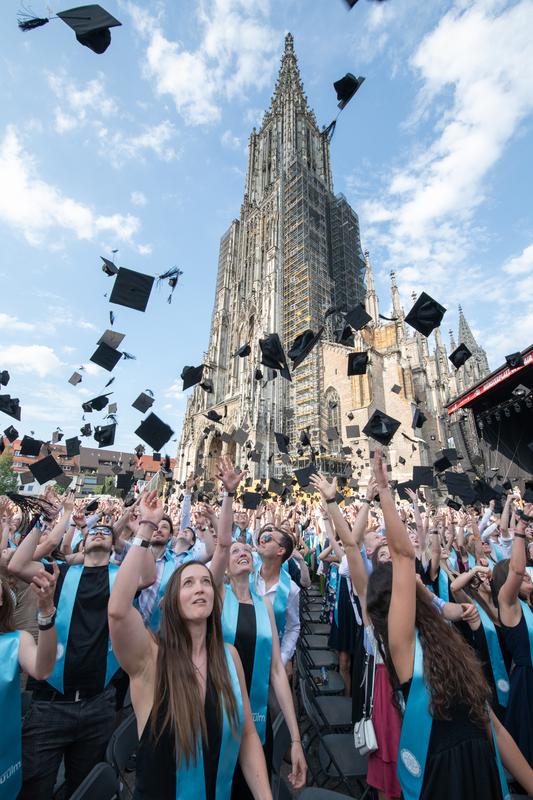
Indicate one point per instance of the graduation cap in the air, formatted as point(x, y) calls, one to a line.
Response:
point(425, 315)
point(132, 289)
point(86, 430)
point(106, 357)
point(350, 415)
point(97, 403)
point(282, 442)
point(396, 389)
point(402, 487)
point(191, 376)
point(57, 436)
point(213, 415)
point(243, 351)
point(332, 433)
point(345, 336)
point(154, 432)
point(401, 460)
point(418, 419)
point(452, 504)
point(46, 469)
point(11, 433)
point(139, 451)
point(352, 431)
point(345, 87)
point(125, 480)
point(275, 486)
point(30, 447)
point(357, 318)
point(10, 406)
point(143, 402)
point(381, 427)
point(207, 386)
point(459, 484)
point(73, 447)
point(273, 355)
point(251, 500)
point(528, 492)
point(514, 360)
point(451, 454)
point(4, 377)
point(423, 476)
point(302, 346)
point(109, 267)
point(442, 463)
point(258, 375)
point(75, 378)
point(91, 24)
point(239, 436)
point(357, 363)
point(105, 434)
point(305, 441)
point(460, 356)
point(303, 475)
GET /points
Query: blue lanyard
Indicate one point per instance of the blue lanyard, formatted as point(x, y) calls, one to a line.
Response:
point(65, 608)
point(168, 570)
point(190, 780)
point(11, 735)
point(499, 671)
point(528, 616)
point(262, 656)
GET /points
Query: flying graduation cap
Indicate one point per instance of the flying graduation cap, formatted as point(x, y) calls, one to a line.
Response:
point(4, 377)
point(91, 24)
point(460, 356)
point(345, 87)
point(425, 315)
point(109, 267)
point(143, 402)
point(381, 427)
point(302, 346)
point(10, 406)
point(191, 376)
point(243, 351)
point(273, 355)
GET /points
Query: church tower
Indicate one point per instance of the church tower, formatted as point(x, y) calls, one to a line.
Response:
point(477, 366)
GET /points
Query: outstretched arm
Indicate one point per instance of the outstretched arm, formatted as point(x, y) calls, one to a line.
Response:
point(508, 597)
point(38, 660)
point(230, 480)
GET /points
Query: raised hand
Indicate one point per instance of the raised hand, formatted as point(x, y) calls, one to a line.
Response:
point(380, 471)
point(43, 584)
point(228, 475)
point(371, 489)
point(320, 483)
point(189, 482)
point(412, 496)
point(151, 508)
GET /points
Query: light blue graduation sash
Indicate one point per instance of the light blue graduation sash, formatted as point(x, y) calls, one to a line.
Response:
point(443, 586)
point(528, 616)
point(416, 732)
point(11, 736)
point(335, 585)
point(281, 597)
point(452, 561)
point(65, 607)
point(236, 533)
point(499, 671)
point(497, 551)
point(190, 781)
point(471, 561)
point(168, 570)
point(262, 656)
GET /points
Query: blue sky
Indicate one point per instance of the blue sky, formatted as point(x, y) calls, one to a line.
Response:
point(143, 149)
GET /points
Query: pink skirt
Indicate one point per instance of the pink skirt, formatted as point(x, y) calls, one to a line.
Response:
point(382, 764)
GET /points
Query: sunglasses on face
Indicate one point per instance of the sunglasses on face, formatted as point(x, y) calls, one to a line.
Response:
point(265, 538)
point(103, 530)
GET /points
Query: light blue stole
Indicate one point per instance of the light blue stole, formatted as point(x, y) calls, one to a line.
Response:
point(262, 656)
point(499, 671)
point(281, 597)
point(65, 607)
point(497, 551)
point(335, 585)
point(168, 570)
point(190, 780)
point(452, 561)
point(528, 616)
point(11, 736)
point(236, 533)
point(416, 732)
point(471, 561)
point(443, 586)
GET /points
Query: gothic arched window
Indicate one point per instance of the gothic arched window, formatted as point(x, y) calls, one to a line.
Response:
point(333, 409)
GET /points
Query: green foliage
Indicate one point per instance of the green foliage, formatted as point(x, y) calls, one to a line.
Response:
point(8, 478)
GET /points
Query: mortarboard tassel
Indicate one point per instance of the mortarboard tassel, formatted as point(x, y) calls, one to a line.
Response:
point(112, 417)
point(111, 317)
point(149, 391)
point(129, 357)
point(110, 381)
point(27, 23)
point(389, 319)
point(172, 276)
point(330, 130)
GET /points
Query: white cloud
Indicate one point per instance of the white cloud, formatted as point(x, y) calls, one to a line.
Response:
point(237, 51)
point(80, 104)
point(138, 199)
point(522, 264)
point(156, 139)
point(34, 207)
point(144, 249)
point(228, 139)
point(37, 359)
point(92, 369)
point(9, 323)
point(175, 392)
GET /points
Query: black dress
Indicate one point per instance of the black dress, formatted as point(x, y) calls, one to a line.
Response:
point(342, 636)
point(245, 646)
point(156, 762)
point(519, 716)
point(478, 641)
point(460, 762)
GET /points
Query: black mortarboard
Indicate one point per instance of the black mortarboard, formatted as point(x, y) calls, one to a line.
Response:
point(352, 431)
point(452, 504)
point(226, 437)
point(191, 376)
point(346, 88)
point(396, 389)
point(106, 357)
point(451, 454)
point(357, 363)
point(346, 450)
point(418, 419)
point(381, 427)
point(86, 430)
point(64, 480)
point(108, 267)
point(132, 289)
point(239, 436)
point(484, 492)
point(213, 415)
point(442, 463)
point(275, 486)
point(258, 375)
point(91, 24)
point(105, 434)
point(458, 483)
point(154, 432)
point(401, 460)
point(282, 442)
point(30, 447)
point(255, 457)
point(10, 406)
point(357, 318)
point(345, 336)
point(305, 441)
point(45, 469)
point(139, 451)
point(425, 315)
point(125, 480)
point(514, 360)
point(75, 378)
point(26, 477)
point(143, 403)
point(350, 415)
point(4, 377)
point(73, 447)
point(251, 500)
point(401, 489)
point(303, 475)
point(302, 346)
point(111, 338)
point(243, 351)
point(11, 433)
point(273, 355)
point(98, 403)
point(423, 476)
point(207, 385)
point(332, 433)
point(112, 408)
point(460, 356)
point(57, 436)
point(332, 404)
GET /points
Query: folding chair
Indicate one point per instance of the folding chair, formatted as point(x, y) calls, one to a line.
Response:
point(315, 641)
point(320, 628)
point(121, 750)
point(306, 671)
point(321, 658)
point(100, 784)
point(334, 757)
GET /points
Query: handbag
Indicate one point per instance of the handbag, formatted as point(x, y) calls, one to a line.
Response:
point(364, 734)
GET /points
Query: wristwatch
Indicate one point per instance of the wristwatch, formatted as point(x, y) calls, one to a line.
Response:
point(228, 494)
point(138, 541)
point(44, 622)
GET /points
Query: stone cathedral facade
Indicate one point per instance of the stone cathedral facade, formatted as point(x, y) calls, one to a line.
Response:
point(294, 252)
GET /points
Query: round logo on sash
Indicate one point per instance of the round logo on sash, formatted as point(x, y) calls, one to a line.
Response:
point(503, 685)
point(410, 763)
point(60, 651)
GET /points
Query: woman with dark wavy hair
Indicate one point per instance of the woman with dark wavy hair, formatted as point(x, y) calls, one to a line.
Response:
point(450, 742)
point(187, 687)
